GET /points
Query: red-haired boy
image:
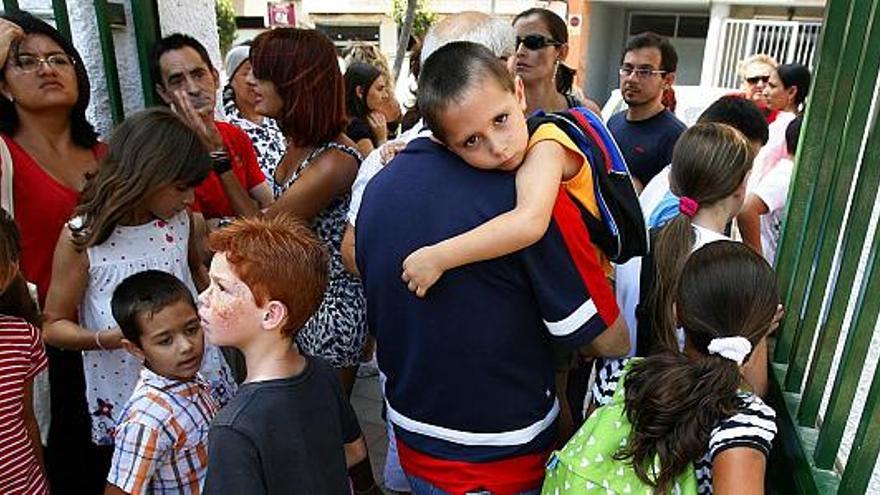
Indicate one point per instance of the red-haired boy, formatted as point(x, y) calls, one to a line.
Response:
point(290, 428)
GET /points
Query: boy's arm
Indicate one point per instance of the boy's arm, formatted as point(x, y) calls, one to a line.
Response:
point(136, 453)
point(537, 186)
point(749, 222)
point(112, 489)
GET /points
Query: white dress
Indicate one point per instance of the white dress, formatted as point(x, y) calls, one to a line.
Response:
point(111, 375)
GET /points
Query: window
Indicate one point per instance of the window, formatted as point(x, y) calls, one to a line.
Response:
point(670, 25)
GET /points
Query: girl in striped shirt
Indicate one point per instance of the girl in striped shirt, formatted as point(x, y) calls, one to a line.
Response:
point(684, 422)
point(22, 357)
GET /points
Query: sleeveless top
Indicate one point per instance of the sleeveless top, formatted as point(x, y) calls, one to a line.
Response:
point(338, 330)
point(111, 375)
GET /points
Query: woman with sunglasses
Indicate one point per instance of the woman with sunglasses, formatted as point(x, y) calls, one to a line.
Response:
point(541, 48)
point(755, 72)
point(44, 92)
point(786, 94)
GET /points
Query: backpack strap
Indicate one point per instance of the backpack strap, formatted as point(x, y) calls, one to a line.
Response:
point(6, 200)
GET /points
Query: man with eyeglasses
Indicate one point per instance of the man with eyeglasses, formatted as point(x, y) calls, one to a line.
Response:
point(646, 131)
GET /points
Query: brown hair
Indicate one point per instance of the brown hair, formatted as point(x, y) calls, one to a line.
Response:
point(302, 64)
point(709, 162)
point(450, 72)
point(673, 401)
point(15, 300)
point(279, 259)
point(149, 150)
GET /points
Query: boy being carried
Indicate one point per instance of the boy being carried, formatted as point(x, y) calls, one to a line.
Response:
point(475, 108)
point(161, 442)
point(290, 428)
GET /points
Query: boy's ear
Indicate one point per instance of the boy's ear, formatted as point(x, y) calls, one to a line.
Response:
point(134, 350)
point(274, 315)
point(519, 91)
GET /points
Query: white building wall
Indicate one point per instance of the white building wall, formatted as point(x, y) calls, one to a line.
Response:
point(195, 18)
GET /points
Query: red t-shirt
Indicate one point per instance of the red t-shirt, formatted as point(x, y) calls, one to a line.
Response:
point(42, 207)
point(211, 200)
point(22, 356)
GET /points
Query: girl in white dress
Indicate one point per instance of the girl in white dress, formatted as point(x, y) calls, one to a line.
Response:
point(133, 216)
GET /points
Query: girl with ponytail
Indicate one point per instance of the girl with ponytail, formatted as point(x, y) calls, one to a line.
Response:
point(710, 166)
point(685, 422)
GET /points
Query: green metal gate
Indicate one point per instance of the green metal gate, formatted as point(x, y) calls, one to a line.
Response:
point(838, 170)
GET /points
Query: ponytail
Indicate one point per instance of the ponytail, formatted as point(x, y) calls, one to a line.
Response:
point(709, 163)
point(564, 78)
point(671, 250)
point(673, 403)
point(674, 400)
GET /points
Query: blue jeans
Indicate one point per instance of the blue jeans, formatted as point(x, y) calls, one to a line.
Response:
point(420, 486)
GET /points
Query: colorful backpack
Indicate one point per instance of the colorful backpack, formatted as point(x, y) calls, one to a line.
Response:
point(620, 232)
point(587, 465)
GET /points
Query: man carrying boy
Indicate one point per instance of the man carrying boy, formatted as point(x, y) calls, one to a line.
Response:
point(290, 428)
point(470, 369)
point(161, 442)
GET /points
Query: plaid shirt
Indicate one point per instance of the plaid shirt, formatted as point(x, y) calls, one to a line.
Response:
point(161, 443)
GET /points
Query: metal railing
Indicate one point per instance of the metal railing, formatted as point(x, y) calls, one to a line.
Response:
point(828, 268)
point(786, 41)
point(146, 25)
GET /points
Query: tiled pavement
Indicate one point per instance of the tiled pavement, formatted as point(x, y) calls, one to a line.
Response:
point(367, 402)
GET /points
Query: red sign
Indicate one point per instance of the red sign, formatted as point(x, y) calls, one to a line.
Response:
point(282, 14)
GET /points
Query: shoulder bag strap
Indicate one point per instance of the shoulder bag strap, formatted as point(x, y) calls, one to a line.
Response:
point(6, 179)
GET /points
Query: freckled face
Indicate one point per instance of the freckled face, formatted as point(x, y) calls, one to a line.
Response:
point(228, 309)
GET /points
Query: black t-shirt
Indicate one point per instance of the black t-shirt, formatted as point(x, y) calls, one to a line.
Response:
point(283, 436)
point(359, 129)
point(646, 144)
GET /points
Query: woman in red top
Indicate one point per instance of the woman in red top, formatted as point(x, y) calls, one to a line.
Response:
point(44, 92)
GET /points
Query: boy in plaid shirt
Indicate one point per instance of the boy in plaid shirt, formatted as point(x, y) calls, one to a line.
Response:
point(161, 442)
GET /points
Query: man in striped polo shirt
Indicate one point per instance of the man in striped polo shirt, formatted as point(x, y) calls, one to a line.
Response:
point(470, 368)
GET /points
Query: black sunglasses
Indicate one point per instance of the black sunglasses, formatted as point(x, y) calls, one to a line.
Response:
point(535, 41)
point(755, 79)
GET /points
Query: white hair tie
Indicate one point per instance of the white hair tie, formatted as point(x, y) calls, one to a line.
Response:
point(733, 348)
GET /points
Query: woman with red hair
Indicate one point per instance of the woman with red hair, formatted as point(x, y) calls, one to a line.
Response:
point(298, 83)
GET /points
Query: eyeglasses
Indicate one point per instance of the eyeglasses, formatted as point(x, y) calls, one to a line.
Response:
point(58, 61)
point(535, 41)
point(757, 79)
point(641, 73)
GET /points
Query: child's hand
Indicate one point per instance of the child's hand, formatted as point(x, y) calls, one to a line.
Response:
point(421, 269)
point(390, 149)
point(777, 318)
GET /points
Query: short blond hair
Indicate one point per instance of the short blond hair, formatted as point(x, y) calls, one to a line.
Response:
point(758, 58)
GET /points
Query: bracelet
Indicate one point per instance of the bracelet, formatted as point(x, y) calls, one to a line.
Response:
point(220, 161)
point(98, 340)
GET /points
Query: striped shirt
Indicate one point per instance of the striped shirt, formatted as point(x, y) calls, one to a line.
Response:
point(753, 426)
point(22, 356)
point(161, 442)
